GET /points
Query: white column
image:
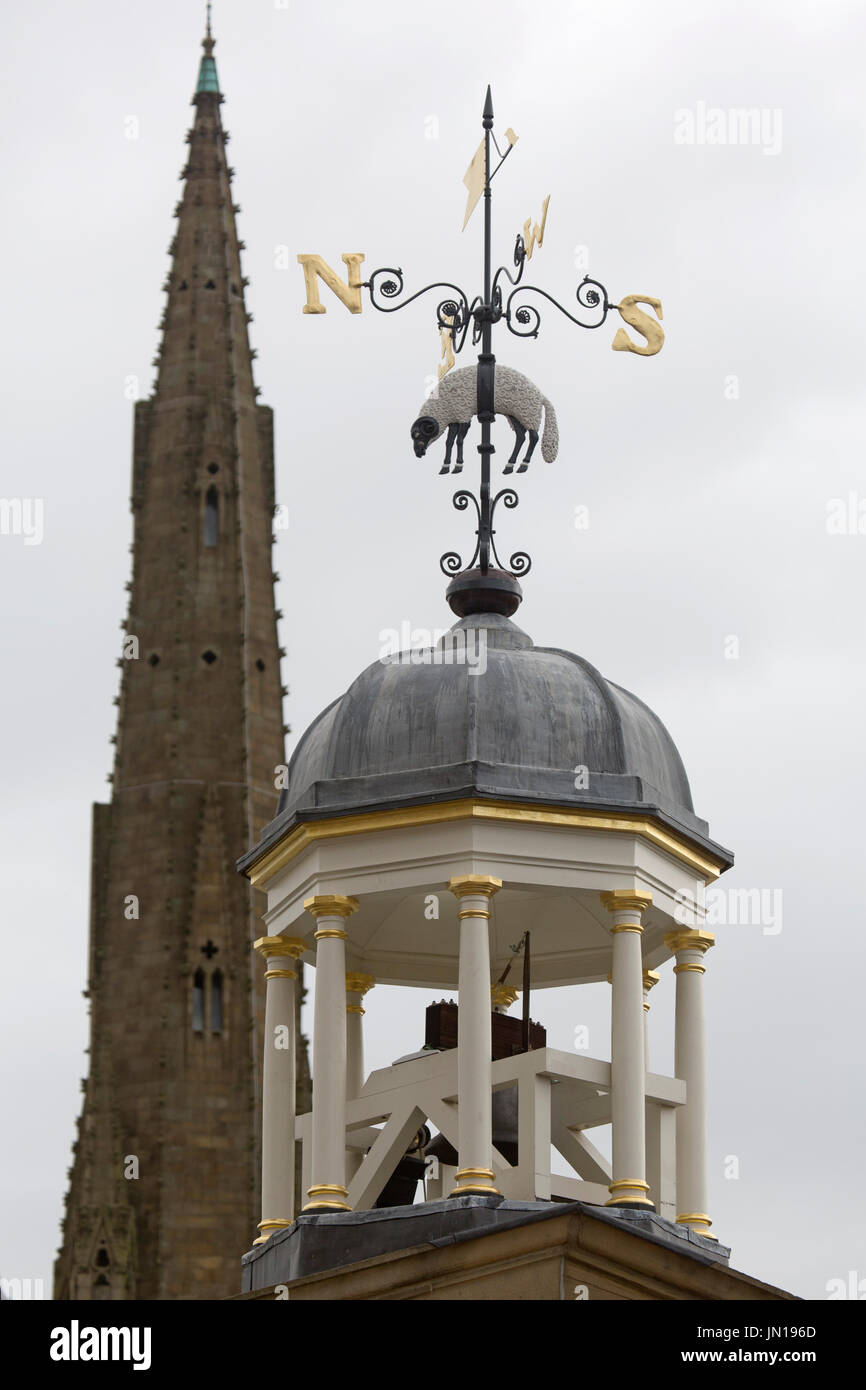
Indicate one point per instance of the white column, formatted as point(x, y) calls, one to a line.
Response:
point(690, 1066)
point(474, 1043)
point(278, 1083)
point(628, 1186)
point(328, 1191)
point(650, 980)
point(357, 986)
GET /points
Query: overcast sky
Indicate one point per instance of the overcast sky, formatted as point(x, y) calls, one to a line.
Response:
point(707, 581)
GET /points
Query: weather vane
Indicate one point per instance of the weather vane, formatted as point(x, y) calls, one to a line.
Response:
point(489, 390)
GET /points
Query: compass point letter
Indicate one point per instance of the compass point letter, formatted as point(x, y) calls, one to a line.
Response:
point(347, 291)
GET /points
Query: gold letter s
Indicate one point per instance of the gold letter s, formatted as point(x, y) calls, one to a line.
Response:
point(651, 330)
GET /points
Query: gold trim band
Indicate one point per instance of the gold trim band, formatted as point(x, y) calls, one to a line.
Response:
point(694, 1220)
point(355, 1009)
point(628, 1190)
point(281, 974)
point(331, 931)
point(268, 1227)
point(626, 926)
point(473, 912)
point(331, 1192)
point(698, 969)
point(575, 817)
point(472, 1180)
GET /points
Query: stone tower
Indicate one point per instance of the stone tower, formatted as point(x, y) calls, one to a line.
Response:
point(163, 1192)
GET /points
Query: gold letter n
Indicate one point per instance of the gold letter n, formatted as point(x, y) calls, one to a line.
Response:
point(348, 292)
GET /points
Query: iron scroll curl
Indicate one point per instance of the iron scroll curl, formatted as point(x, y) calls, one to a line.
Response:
point(590, 294)
point(485, 547)
point(453, 313)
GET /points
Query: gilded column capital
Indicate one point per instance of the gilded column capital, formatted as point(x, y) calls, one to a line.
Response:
point(650, 979)
point(689, 939)
point(269, 946)
point(482, 885)
point(357, 983)
point(330, 905)
point(626, 900)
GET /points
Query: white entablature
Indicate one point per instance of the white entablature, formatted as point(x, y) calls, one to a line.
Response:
point(553, 863)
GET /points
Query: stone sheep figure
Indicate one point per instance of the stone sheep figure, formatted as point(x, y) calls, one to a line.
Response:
point(455, 403)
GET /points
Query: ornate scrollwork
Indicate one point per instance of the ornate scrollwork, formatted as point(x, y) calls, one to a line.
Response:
point(450, 563)
point(590, 294)
point(453, 313)
point(485, 548)
point(520, 564)
point(519, 262)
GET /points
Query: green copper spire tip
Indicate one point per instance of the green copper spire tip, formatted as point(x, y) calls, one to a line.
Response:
point(207, 73)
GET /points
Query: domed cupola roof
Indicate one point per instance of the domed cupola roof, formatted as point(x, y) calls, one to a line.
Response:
point(487, 714)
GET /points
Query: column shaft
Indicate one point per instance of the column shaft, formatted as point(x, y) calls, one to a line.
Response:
point(474, 1042)
point(328, 1161)
point(278, 1084)
point(690, 1066)
point(628, 1186)
point(357, 985)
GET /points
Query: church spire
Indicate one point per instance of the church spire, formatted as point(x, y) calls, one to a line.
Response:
point(177, 1010)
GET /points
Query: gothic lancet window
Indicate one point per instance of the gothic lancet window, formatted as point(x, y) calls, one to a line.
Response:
point(198, 1001)
point(211, 516)
point(216, 1002)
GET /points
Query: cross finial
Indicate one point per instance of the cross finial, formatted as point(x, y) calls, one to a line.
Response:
point(209, 949)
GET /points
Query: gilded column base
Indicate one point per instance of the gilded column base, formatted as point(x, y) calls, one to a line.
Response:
point(267, 1229)
point(327, 1196)
point(475, 1182)
point(629, 1192)
point(699, 1222)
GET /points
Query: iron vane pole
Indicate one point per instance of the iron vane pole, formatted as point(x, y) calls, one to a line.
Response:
point(486, 360)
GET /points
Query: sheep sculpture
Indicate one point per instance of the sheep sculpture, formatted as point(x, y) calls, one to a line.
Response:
point(454, 404)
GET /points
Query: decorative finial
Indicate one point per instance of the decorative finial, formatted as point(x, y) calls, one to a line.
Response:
point(207, 73)
point(208, 41)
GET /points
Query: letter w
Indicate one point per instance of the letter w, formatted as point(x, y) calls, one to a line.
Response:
point(537, 234)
